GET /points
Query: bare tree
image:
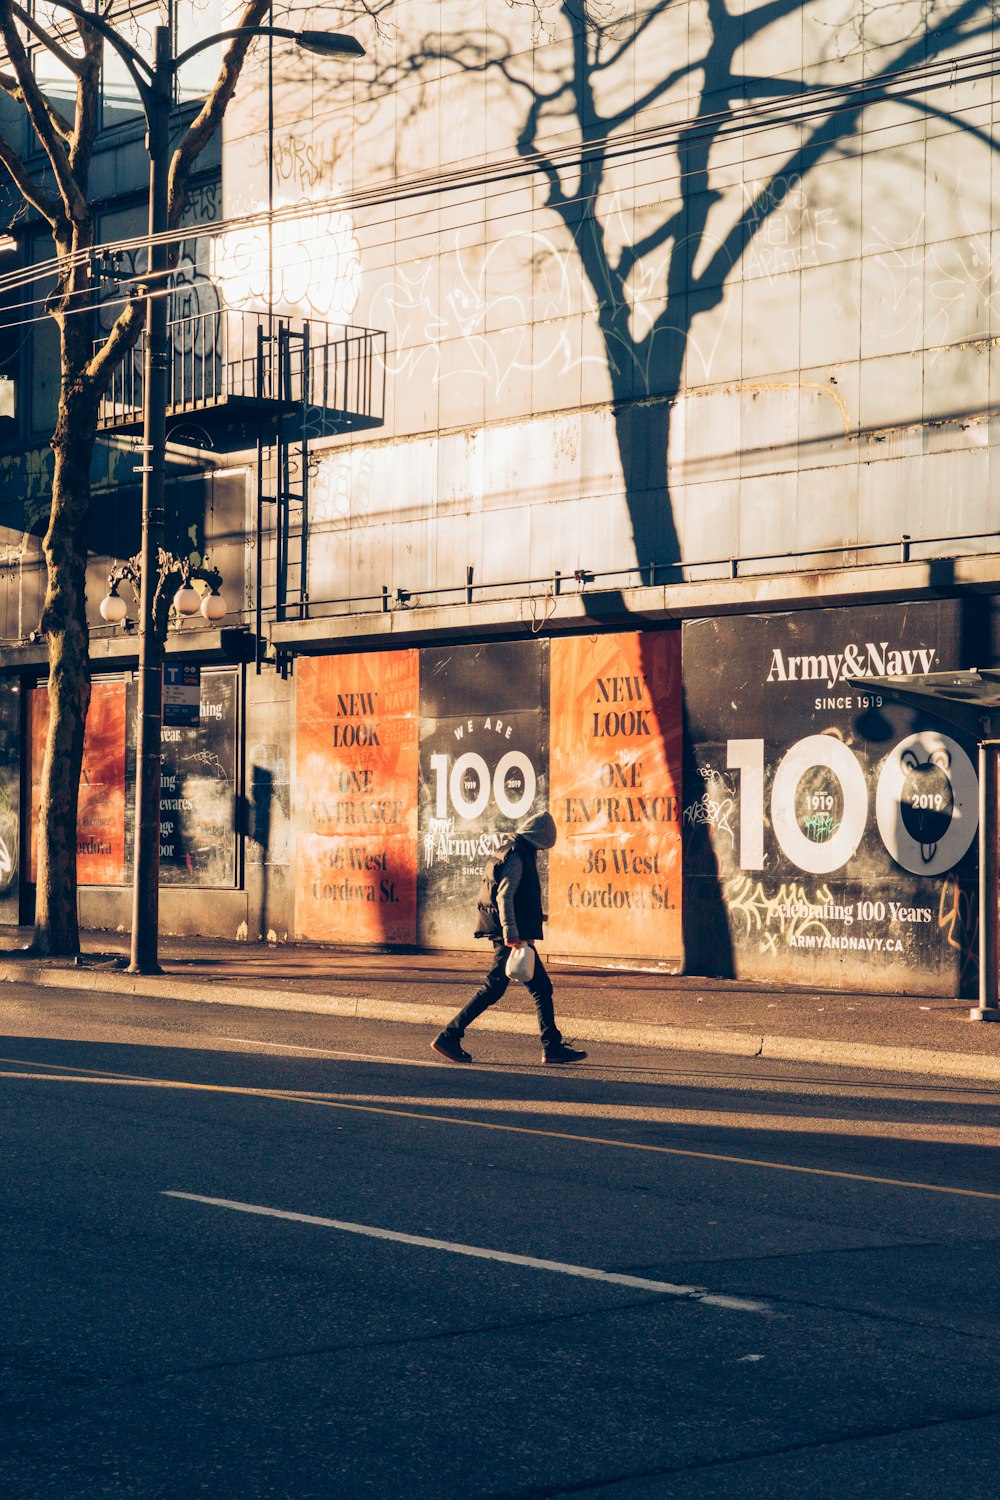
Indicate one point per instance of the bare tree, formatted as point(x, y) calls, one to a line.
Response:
point(60, 196)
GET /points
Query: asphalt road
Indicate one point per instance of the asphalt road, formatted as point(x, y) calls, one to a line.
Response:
point(692, 1277)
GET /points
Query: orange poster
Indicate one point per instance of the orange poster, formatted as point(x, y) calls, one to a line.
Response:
point(357, 740)
point(614, 791)
point(100, 820)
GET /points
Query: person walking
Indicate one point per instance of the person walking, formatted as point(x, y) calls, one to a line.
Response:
point(510, 915)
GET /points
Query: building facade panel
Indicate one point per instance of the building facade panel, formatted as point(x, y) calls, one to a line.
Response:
point(461, 410)
point(354, 797)
point(832, 832)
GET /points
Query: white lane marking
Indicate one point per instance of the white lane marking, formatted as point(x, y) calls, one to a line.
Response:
point(589, 1273)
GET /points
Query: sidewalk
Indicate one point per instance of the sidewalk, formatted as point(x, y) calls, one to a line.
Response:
point(593, 1004)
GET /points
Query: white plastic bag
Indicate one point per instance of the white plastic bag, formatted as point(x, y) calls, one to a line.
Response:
point(521, 963)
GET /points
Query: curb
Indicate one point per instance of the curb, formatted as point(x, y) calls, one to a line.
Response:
point(920, 1060)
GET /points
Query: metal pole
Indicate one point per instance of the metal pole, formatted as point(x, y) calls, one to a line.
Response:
point(146, 872)
point(988, 1008)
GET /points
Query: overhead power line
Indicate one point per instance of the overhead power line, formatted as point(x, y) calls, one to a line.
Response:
point(776, 113)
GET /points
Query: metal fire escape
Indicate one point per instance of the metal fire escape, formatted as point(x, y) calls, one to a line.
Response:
point(283, 488)
point(256, 381)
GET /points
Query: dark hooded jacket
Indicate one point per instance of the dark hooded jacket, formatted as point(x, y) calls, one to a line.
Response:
point(510, 899)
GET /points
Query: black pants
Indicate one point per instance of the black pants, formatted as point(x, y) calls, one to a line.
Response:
point(539, 987)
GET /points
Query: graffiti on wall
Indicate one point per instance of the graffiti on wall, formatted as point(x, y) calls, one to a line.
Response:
point(482, 315)
point(716, 806)
point(789, 231)
point(486, 308)
point(306, 260)
point(308, 263)
point(816, 918)
point(958, 921)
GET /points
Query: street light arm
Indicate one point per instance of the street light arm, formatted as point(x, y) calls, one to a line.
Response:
point(330, 43)
point(207, 121)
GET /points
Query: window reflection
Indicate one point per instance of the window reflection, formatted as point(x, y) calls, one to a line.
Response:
point(119, 93)
point(135, 23)
point(194, 20)
point(55, 80)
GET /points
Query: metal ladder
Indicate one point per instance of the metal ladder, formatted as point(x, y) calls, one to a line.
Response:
point(283, 480)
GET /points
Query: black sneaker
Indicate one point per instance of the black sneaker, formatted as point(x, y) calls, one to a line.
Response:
point(560, 1053)
point(449, 1046)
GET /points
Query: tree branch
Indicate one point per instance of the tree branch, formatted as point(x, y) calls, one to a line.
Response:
point(88, 95)
point(10, 86)
point(35, 193)
point(209, 117)
point(123, 337)
point(50, 135)
point(69, 60)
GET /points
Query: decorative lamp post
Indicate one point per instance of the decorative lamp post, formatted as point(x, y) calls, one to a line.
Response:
point(155, 84)
point(171, 573)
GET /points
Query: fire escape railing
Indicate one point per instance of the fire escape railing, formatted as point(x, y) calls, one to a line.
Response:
point(224, 357)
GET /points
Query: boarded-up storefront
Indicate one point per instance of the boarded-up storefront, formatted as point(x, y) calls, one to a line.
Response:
point(829, 834)
point(476, 739)
point(355, 798)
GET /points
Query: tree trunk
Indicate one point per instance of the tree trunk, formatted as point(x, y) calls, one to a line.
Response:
point(642, 429)
point(64, 618)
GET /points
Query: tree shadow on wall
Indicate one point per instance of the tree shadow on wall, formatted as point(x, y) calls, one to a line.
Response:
point(643, 168)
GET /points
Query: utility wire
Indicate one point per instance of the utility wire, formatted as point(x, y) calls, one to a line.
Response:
point(422, 185)
point(772, 114)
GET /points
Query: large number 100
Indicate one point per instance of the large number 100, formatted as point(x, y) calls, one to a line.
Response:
point(468, 785)
point(895, 792)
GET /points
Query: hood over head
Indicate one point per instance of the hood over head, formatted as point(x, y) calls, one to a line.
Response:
point(539, 830)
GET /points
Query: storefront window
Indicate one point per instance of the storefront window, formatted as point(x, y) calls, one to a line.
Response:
point(198, 788)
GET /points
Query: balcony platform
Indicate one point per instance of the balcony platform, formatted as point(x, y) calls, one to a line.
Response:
point(236, 376)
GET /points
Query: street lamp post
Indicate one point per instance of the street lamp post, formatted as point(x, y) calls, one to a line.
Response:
point(155, 84)
point(148, 745)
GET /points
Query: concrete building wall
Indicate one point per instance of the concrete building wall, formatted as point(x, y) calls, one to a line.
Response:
point(663, 304)
point(714, 292)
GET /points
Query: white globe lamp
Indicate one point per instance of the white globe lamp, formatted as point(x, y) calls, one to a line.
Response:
point(113, 607)
point(187, 600)
point(214, 607)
